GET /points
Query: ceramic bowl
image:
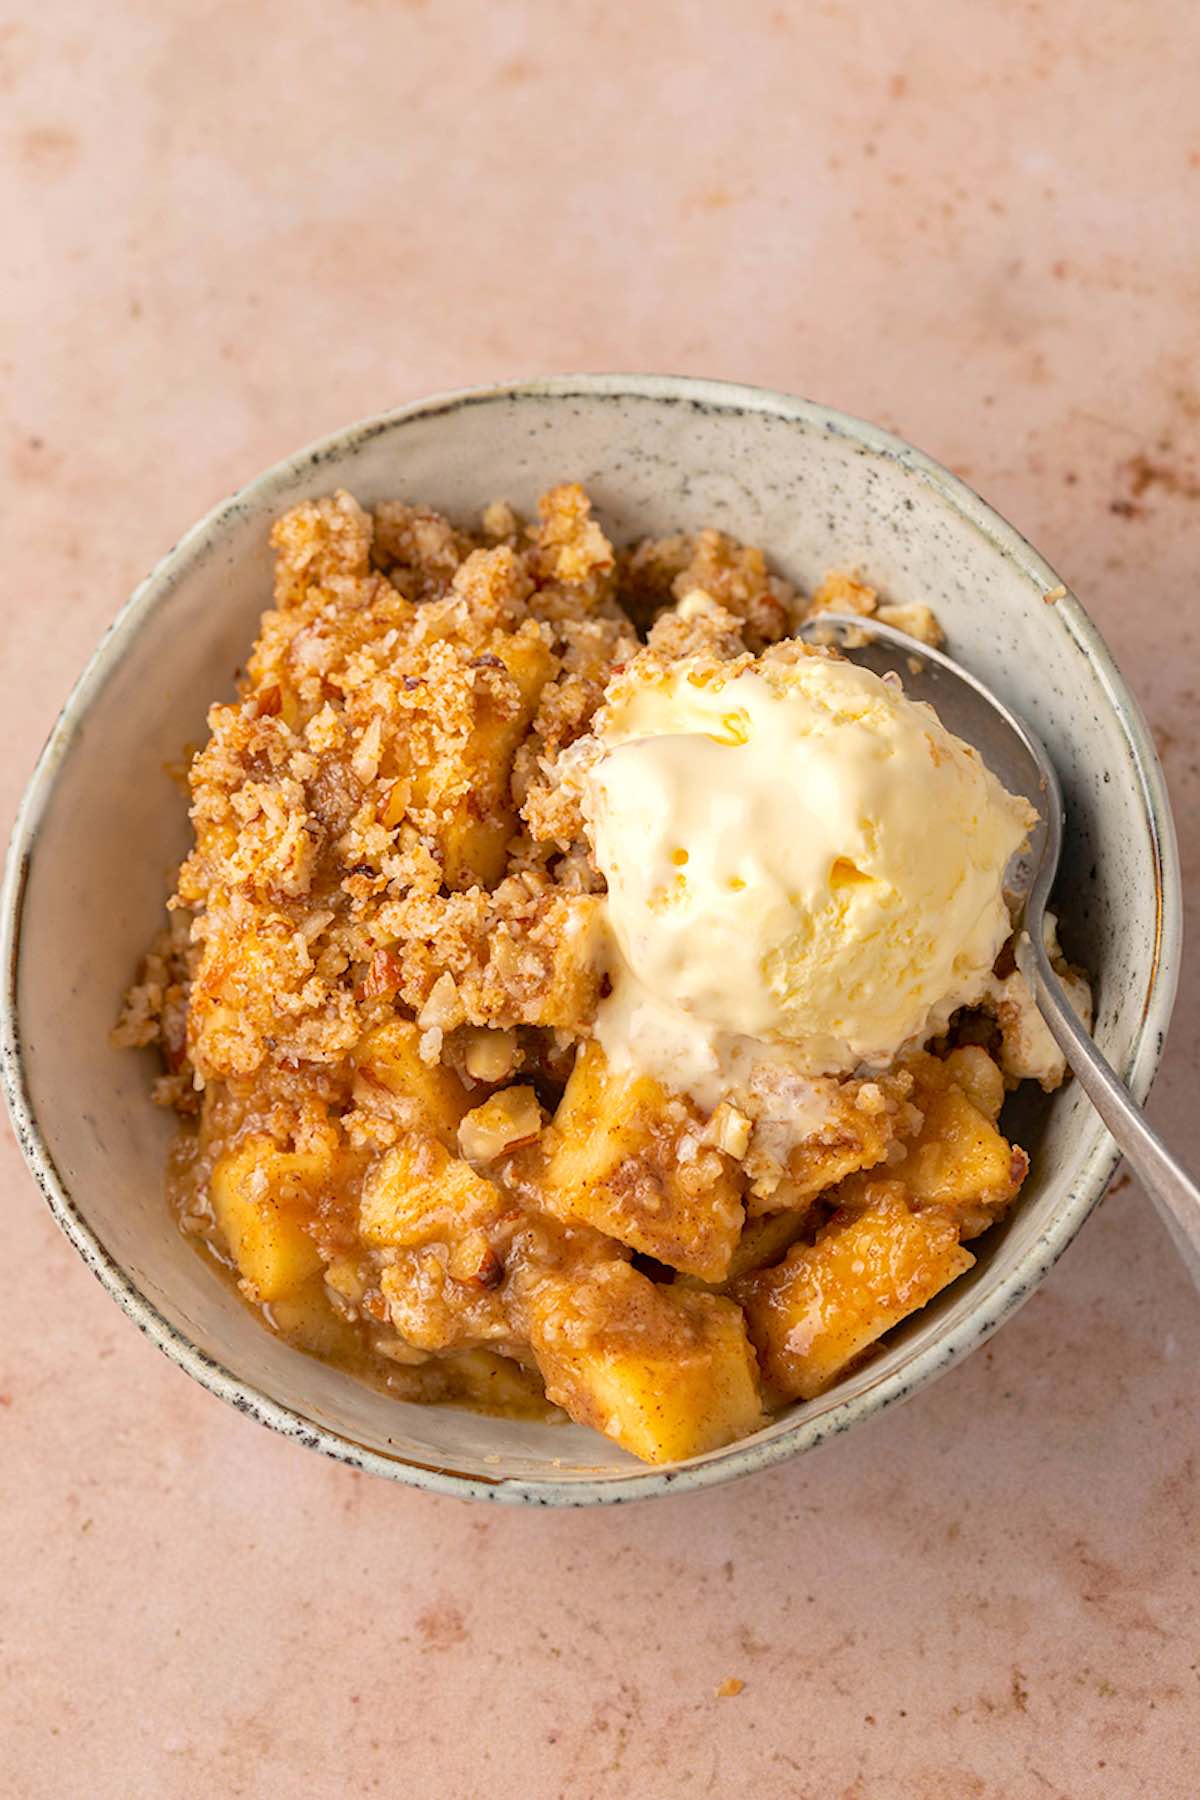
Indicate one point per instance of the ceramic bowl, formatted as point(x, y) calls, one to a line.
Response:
point(101, 826)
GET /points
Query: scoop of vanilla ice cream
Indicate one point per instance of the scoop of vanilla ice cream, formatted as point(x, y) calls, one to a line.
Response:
point(795, 854)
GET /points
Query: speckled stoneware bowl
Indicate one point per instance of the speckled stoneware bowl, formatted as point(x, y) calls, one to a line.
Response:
point(100, 827)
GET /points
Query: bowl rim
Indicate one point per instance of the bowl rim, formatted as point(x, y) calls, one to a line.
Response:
point(996, 1302)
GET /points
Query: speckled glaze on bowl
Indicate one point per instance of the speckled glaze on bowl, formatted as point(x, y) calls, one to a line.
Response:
point(100, 827)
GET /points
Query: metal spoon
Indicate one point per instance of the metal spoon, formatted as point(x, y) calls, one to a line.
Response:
point(970, 710)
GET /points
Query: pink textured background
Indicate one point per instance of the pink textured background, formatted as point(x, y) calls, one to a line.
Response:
point(230, 227)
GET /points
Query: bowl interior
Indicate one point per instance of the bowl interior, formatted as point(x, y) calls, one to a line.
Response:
point(105, 825)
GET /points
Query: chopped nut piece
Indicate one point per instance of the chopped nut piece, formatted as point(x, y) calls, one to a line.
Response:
point(490, 1056)
point(444, 1007)
point(473, 1259)
point(729, 1130)
point(365, 760)
point(347, 1278)
point(508, 1120)
point(382, 977)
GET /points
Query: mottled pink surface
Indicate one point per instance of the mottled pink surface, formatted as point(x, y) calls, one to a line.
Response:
point(232, 227)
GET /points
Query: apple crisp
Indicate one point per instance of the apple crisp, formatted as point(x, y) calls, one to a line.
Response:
point(375, 995)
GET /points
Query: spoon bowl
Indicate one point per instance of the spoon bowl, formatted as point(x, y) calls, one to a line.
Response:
point(1015, 756)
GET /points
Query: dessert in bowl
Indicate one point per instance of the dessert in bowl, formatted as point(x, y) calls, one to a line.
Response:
point(523, 1049)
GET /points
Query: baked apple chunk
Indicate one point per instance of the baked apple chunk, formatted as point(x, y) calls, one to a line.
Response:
point(631, 1159)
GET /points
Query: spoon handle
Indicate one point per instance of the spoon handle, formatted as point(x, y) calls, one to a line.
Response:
point(1172, 1190)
